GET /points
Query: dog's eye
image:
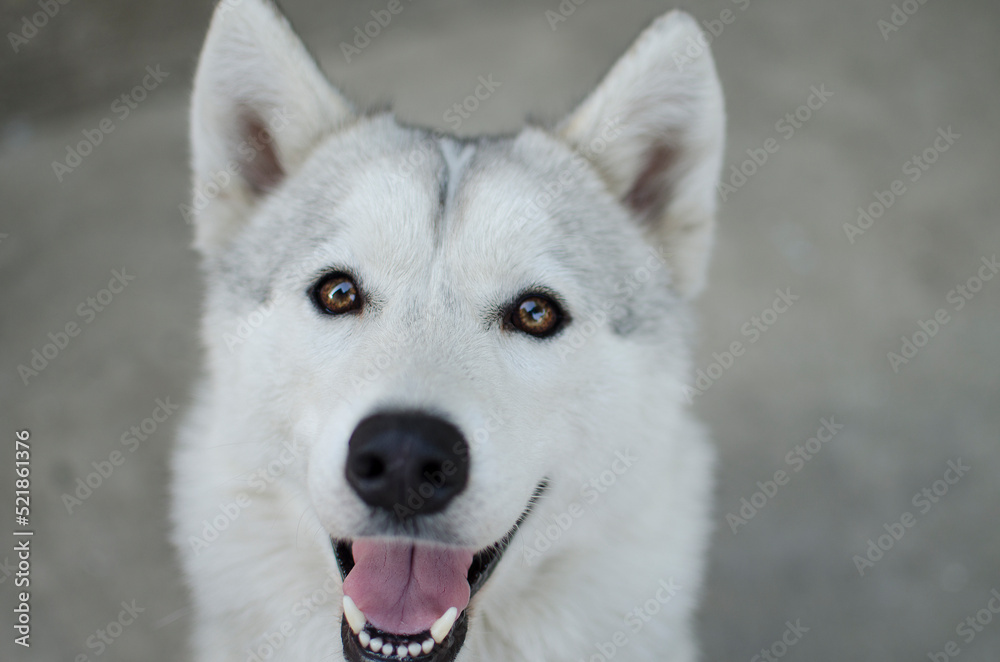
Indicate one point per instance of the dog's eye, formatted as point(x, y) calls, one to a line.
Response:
point(336, 294)
point(536, 315)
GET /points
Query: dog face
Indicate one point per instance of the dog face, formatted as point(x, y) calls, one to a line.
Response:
point(456, 333)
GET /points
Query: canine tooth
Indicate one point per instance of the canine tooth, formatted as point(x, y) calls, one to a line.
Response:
point(427, 646)
point(375, 644)
point(355, 618)
point(365, 639)
point(402, 651)
point(442, 626)
point(414, 649)
point(387, 649)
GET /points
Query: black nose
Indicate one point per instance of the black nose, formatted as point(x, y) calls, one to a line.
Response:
point(408, 463)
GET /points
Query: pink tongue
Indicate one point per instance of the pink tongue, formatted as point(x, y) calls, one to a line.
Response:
point(403, 588)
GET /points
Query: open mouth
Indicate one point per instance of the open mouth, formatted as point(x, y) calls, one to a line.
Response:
point(409, 600)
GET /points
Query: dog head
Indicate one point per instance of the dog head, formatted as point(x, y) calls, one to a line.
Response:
point(455, 331)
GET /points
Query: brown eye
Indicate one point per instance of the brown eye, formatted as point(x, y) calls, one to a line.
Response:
point(536, 315)
point(337, 294)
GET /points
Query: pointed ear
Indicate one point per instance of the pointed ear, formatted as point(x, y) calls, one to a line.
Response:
point(654, 128)
point(260, 105)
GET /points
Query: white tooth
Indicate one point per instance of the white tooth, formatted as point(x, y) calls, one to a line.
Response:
point(427, 646)
point(375, 644)
point(442, 626)
point(364, 638)
point(387, 649)
point(414, 649)
point(355, 618)
point(402, 651)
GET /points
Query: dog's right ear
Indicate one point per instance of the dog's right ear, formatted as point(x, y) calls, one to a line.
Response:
point(260, 106)
point(654, 129)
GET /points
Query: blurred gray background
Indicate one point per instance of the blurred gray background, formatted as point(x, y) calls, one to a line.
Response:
point(781, 229)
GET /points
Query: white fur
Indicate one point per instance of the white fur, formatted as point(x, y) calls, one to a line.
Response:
point(658, 92)
point(284, 391)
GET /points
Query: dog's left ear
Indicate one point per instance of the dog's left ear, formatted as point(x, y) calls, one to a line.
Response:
point(654, 128)
point(260, 106)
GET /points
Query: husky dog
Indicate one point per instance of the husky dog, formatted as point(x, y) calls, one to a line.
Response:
point(444, 412)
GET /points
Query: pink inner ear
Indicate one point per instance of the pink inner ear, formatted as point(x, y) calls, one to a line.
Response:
point(259, 158)
point(651, 190)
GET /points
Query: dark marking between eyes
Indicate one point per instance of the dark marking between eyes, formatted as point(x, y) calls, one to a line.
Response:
point(443, 188)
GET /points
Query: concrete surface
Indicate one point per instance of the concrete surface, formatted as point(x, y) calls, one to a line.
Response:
point(824, 358)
